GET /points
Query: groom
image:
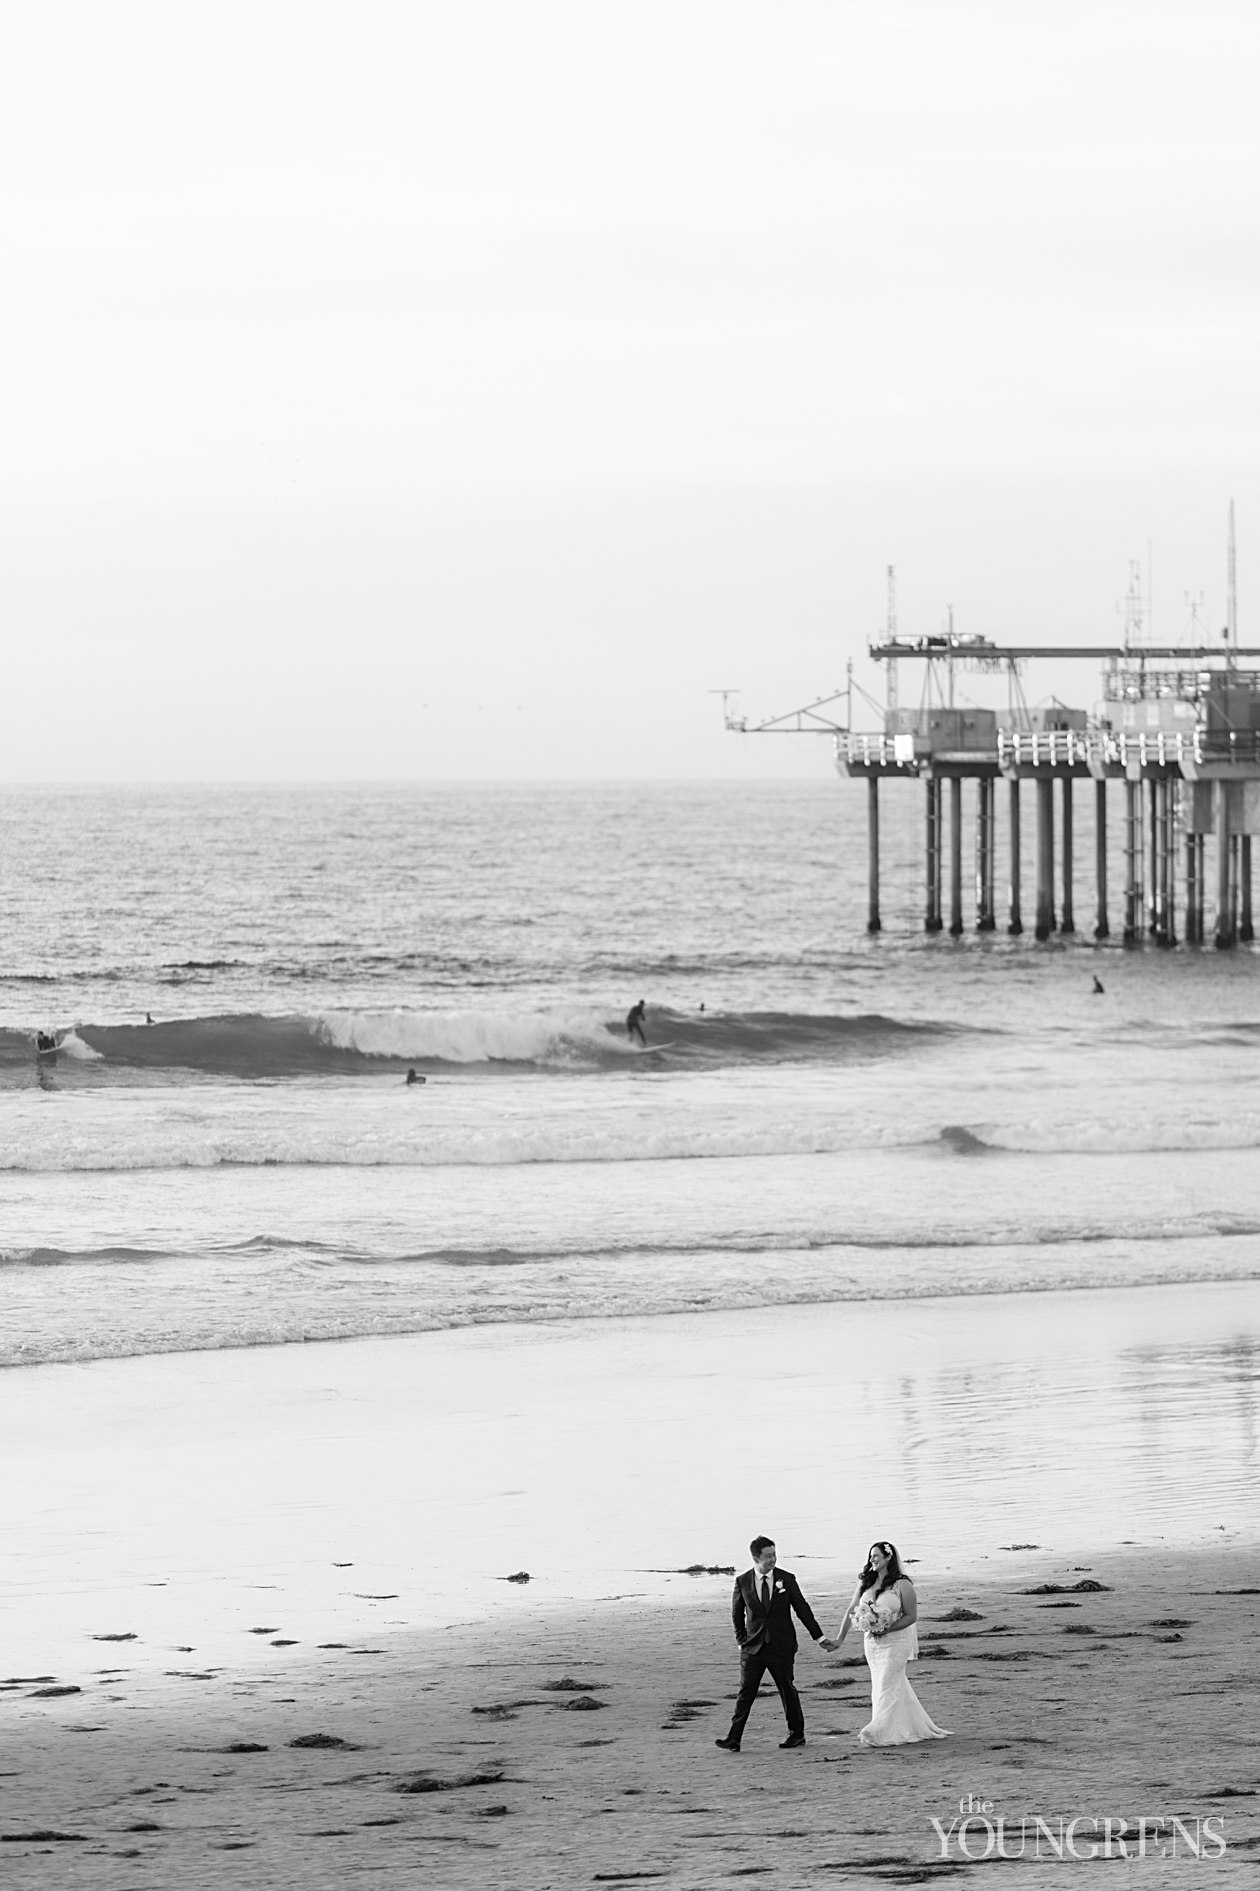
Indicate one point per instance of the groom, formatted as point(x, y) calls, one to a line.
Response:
point(762, 1606)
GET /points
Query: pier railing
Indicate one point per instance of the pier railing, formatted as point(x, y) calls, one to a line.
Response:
point(1046, 748)
point(877, 751)
point(1154, 748)
point(1067, 748)
point(1227, 745)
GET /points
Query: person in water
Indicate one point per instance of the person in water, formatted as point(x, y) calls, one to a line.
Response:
point(634, 1022)
point(412, 1077)
point(44, 1041)
point(1098, 985)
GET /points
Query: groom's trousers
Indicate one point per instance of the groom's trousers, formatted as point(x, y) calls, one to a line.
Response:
point(753, 1664)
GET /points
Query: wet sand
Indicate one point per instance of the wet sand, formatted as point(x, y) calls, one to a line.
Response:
point(576, 1746)
point(216, 1556)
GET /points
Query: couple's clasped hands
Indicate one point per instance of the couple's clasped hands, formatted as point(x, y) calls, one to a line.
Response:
point(832, 1642)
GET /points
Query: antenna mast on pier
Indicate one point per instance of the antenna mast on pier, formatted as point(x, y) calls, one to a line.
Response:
point(1231, 595)
point(1195, 633)
point(1134, 629)
point(890, 635)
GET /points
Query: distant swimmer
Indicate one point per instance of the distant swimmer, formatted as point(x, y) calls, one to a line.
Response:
point(148, 1017)
point(1098, 984)
point(634, 1022)
point(45, 1044)
point(412, 1077)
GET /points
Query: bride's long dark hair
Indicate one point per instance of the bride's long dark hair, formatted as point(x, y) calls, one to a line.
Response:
point(892, 1574)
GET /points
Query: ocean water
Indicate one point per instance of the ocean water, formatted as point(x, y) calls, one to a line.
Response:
point(820, 1116)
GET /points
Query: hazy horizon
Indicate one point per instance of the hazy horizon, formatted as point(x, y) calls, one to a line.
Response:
point(409, 392)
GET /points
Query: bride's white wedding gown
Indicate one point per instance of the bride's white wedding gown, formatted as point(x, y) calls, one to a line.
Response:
point(897, 1715)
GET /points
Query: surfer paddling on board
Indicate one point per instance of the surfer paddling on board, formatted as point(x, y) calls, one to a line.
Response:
point(634, 1022)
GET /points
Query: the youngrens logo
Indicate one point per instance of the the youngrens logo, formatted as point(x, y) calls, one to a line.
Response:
point(975, 1833)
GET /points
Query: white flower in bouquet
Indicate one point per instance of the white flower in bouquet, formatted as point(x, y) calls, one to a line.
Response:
point(876, 1615)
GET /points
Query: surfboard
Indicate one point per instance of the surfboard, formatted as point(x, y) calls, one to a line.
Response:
point(645, 1050)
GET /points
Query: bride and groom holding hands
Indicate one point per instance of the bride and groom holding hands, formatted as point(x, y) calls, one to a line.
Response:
point(884, 1610)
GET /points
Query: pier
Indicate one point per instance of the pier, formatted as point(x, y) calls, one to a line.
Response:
point(1178, 730)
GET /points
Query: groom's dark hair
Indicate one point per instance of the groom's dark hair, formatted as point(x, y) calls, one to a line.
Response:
point(760, 1543)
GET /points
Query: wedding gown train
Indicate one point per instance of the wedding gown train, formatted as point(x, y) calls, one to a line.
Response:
point(898, 1717)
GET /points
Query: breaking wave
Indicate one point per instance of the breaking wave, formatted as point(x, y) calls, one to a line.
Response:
point(345, 1042)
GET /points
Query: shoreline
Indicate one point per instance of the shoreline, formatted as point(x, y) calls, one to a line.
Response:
point(598, 1454)
point(226, 1553)
point(747, 1287)
point(578, 1744)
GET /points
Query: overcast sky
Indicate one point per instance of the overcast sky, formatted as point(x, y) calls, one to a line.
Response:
point(467, 388)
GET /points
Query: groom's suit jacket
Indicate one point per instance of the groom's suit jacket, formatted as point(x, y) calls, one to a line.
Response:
point(754, 1628)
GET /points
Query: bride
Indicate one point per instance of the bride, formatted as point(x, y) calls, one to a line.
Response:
point(884, 1607)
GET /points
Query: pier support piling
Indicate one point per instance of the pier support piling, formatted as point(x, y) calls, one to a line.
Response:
point(1132, 858)
point(1067, 921)
point(1157, 860)
point(1201, 858)
point(1170, 861)
point(1045, 859)
point(932, 915)
point(1154, 862)
point(1224, 932)
point(1194, 892)
point(872, 853)
point(985, 921)
point(955, 856)
point(1246, 931)
point(1015, 924)
point(1101, 928)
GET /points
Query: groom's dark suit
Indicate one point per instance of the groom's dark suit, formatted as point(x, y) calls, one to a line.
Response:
point(767, 1639)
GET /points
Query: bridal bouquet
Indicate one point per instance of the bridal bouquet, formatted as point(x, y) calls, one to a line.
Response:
point(877, 1617)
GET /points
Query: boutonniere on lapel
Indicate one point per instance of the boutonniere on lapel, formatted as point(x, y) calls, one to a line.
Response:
point(778, 1588)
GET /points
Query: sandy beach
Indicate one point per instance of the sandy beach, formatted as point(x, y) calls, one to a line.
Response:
point(260, 1630)
point(575, 1746)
